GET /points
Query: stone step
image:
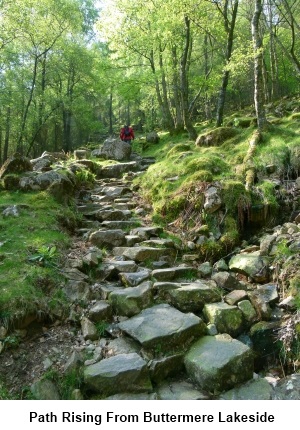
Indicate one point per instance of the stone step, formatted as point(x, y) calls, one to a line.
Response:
point(218, 363)
point(175, 273)
point(121, 373)
point(147, 232)
point(131, 301)
point(144, 254)
point(187, 298)
point(123, 225)
point(164, 327)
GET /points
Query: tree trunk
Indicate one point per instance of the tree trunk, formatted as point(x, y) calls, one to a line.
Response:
point(229, 28)
point(110, 113)
point(167, 121)
point(184, 85)
point(7, 133)
point(258, 68)
point(178, 118)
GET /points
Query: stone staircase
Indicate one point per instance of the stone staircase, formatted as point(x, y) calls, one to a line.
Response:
point(157, 329)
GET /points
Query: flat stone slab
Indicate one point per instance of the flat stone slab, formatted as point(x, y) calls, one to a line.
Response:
point(123, 225)
point(173, 273)
point(258, 389)
point(144, 253)
point(165, 327)
point(123, 266)
point(121, 373)
point(218, 363)
point(135, 278)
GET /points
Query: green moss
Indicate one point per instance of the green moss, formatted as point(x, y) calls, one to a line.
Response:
point(236, 198)
point(26, 286)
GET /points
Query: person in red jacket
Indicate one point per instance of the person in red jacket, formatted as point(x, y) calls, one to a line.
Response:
point(127, 134)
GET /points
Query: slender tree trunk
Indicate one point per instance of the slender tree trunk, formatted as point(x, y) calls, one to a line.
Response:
point(7, 133)
point(184, 85)
point(178, 119)
point(258, 68)
point(229, 28)
point(110, 113)
point(167, 120)
point(26, 111)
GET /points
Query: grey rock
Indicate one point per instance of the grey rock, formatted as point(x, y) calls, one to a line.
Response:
point(219, 363)
point(162, 368)
point(248, 311)
point(254, 266)
point(121, 373)
point(175, 273)
point(288, 388)
point(179, 390)
point(77, 291)
point(74, 362)
point(164, 326)
point(45, 390)
point(108, 238)
point(141, 254)
point(89, 331)
point(205, 269)
point(259, 389)
point(227, 319)
point(213, 200)
point(193, 297)
point(121, 345)
point(131, 301)
point(100, 311)
point(113, 149)
point(227, 281)
point(135, 278)
point(235, 296)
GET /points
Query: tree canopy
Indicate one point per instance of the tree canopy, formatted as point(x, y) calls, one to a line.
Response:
point(73, 71)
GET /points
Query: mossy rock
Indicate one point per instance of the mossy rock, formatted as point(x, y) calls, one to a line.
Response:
point(15, 164)
point(245, 122)
point(201, 176)
point(180, 147)
point(210, 163)
point(216, 137)
point(11, 182)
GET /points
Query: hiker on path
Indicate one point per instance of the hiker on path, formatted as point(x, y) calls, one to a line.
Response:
point(127, 134)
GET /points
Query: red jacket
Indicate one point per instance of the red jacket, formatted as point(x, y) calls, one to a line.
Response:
point(126, 134)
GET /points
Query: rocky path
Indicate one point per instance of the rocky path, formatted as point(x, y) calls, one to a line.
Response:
point(157, 328)
point(145, 325)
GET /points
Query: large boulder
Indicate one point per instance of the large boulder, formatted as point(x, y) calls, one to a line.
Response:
point(152, 137)
point(118, 170)
point(113, 149)
point(252, 265)
point(218, 363)
point(164, 327)
point(15, 164)
point(216, 137)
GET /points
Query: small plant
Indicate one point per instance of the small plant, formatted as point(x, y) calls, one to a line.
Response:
point(85, 177)
point(101, 327)
point(11, 342)
point(45, 256)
